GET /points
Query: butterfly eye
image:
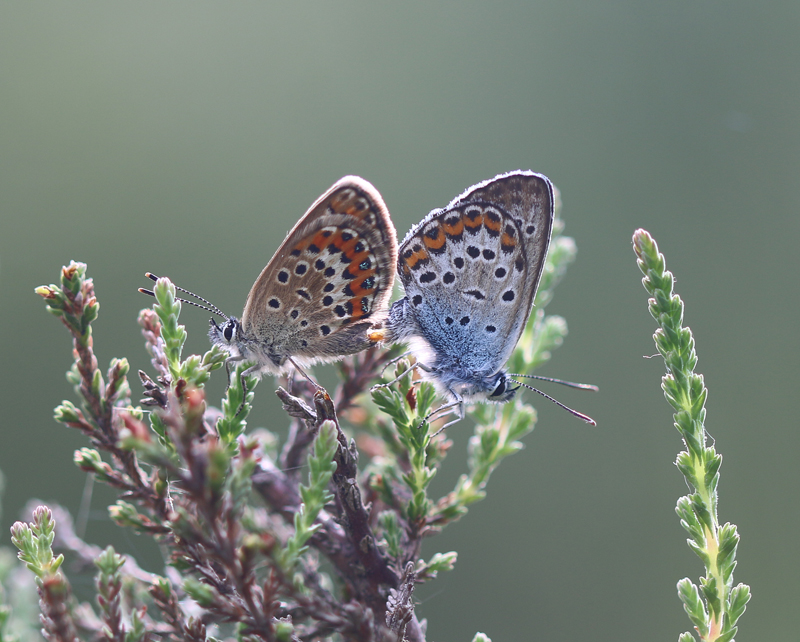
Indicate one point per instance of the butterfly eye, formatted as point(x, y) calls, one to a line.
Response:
point(228, 331)
point(501, 387)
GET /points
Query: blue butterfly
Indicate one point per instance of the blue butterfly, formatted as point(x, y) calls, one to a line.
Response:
point(470, 273)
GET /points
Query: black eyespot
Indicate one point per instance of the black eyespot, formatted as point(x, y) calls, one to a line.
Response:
point(328, 287)
point(358, 247)
point(304, 294)
point(464, 320)
point(417, 300)
point(346, 236)
point(473, 251)
point(490, 328)
point(294, 314)
point(303, 323)
point(283, 276)
point(325, 330)
point(508, 295)
point(340, 311)
point(519, 264)
point(295, 252)
point(313, 249)
point(274, 303)
point(300, 269)
point(327, 300)
point(500, 272)
point(449, 320)
point(427, 277)
point(488, 255)
point(449, 277)
point(329, 272)
point(475, 293)
point(530, 229)
point(368, 283)
point(365, 264)
point(458, 262)
point(364, 304)
point(304, 343)
point(320, 264)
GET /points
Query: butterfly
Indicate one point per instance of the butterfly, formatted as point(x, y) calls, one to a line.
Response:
point(326, 286)
point(470, 273)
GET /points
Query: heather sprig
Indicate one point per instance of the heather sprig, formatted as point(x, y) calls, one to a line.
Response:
point(716, 605)
point(252, 570)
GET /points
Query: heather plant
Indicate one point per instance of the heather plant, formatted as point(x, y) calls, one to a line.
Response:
point(314, 538)
point(246, 522)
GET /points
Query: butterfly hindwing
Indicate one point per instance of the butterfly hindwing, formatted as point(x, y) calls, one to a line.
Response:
point(470, 270)
point(330, 278)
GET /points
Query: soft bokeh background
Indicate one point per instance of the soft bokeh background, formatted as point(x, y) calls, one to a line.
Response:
point(186, 138)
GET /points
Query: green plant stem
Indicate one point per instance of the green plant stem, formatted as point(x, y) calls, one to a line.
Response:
point(715, 607)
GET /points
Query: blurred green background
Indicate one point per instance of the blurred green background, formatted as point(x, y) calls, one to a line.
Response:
point(186, 138)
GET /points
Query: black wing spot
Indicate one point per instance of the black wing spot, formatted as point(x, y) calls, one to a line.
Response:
point(508, 295)
point(326, 301)
point(313, 249)
point(368, 283)
point(464, 320)
point(458, 262)
point(328, 287)
point(448, 277)
point(332, 249)
point(340, 311)
point(346, 236)
point(274, 303)
point(329, 272)
point(519, 264)
point(427, 277)
point(476, 293)
point(488, 255)
point(295, 252)
point(449, 320)
point(324, 330)
point(473, 251)
point(304, 343)
point(303, 323)
point(490, 328)
point(283, 276)
point(530, 229)
point(294, 314)
point(358, 247)
point(304, 294)
point(348, 275)
point(320, 264)
point(500, 272)
point(364, 304)
point(417, 300)
point(366, 264)
point(300, 269)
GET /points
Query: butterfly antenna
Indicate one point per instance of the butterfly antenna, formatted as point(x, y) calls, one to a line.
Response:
point(571, 384)
point(577, 414)
point(209, 307)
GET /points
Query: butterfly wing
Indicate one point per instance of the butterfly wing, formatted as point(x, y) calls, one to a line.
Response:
point(330, 279)
point(470, 270)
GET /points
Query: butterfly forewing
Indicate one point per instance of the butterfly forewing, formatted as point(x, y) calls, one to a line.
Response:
point(330, 278)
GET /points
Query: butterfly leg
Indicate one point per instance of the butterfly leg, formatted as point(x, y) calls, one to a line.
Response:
point(456, 407)
point(303, 372)
point(397, 378)
point(391, 362)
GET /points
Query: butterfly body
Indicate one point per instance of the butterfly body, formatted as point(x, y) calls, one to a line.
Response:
point(470, 273)
point(325, 287)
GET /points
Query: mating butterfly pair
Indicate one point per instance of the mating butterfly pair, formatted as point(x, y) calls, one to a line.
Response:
point(469, 271)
